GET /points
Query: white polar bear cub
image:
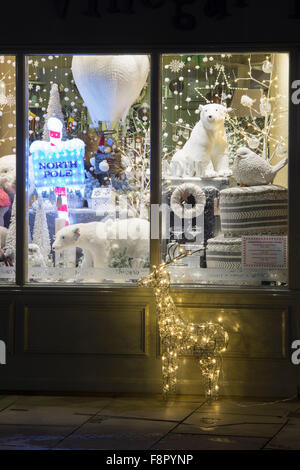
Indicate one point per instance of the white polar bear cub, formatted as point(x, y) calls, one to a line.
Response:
point(205, 150)
point(100, 240)
point(35, 257)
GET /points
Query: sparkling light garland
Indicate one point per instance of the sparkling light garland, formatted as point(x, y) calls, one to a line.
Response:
point(205, 340)
point(221, 81)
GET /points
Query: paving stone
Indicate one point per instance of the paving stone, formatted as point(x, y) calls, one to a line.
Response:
point(117, 434)
point(23, 448)
point(288, 438)
point(152, 409)
point(32, 437)
point(231, 425)
point(94, 403)
point(257, 407)
point(45, 415)
point(202, 442)
point(143, 422)
point(6, 401)
point(51, 410)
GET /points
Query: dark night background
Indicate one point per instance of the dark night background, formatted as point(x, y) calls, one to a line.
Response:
point(149, 23)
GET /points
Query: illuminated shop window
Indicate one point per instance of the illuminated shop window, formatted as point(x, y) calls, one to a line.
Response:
point(224, 167)
point(7, 168)
point(88, 166)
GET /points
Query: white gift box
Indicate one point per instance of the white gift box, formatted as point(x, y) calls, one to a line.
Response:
point(103, 199)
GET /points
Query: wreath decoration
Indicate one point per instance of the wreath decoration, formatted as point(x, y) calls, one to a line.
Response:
point(187, 194)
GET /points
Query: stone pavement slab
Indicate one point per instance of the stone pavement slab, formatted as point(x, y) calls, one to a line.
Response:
point(231, 425)
point(150, 408)
point(89, 402)
point(41, 410)
point(288, 438)
point(33, 437)
point(6, 401)
point(146, 422)
point(177, 441)
point(257, 407)
point(117, 434)
point(44, 416)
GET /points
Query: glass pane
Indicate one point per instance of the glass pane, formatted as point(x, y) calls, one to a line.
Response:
point(89, 143)
point(224, 166)
point(7, 168)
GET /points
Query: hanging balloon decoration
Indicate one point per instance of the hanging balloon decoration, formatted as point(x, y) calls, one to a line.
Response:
point(109, 84)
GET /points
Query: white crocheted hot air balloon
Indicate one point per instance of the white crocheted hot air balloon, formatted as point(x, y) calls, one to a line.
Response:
point(109, 84)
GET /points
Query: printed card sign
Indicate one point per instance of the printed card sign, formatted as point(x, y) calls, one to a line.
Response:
point(264, 252)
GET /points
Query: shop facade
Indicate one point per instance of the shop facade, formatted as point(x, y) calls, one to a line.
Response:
point(183, 145)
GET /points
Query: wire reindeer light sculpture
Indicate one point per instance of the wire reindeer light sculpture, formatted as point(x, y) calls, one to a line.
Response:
point(205, 340)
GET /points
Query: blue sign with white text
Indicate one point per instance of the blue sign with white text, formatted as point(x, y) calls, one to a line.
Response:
point(58, 166)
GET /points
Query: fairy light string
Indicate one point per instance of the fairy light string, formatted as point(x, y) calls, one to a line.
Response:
point(206, 341)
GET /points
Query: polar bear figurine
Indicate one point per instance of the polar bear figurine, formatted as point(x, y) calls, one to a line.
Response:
point(205, 150)
point(35, 257)
point(100, 240)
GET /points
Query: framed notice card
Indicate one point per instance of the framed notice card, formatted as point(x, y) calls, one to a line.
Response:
point(264, 252)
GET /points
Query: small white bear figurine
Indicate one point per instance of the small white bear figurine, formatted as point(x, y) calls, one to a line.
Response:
point(205, 150)
point(35, 257)
point(99, 240)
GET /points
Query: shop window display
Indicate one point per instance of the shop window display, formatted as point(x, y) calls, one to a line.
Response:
point(88, 166)
point(224, 167)
point(7, 168)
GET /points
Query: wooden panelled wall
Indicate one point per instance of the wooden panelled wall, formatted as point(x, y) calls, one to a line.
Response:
point(108, 341)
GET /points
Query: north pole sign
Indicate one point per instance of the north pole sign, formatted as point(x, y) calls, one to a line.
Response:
point(61, 165)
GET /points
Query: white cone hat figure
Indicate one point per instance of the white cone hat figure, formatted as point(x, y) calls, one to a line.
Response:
point(109, 84)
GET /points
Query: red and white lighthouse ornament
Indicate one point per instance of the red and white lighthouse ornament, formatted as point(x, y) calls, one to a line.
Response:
point(55, 130)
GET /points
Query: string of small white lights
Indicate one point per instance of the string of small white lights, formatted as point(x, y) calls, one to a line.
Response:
point(206, 341)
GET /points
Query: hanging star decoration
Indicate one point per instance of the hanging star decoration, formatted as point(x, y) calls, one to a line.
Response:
point(176, 65)
point(10, 100)
point(206, 341)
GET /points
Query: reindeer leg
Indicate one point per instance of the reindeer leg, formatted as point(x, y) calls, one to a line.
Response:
point(169, 366)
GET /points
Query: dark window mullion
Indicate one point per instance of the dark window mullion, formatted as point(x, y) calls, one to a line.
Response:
point(155, 160)
point(293, 178)
point(21, 191)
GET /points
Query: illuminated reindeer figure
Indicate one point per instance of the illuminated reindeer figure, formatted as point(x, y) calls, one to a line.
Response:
point(205, 340)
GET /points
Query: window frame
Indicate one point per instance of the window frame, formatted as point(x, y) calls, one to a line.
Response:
point(155, 55)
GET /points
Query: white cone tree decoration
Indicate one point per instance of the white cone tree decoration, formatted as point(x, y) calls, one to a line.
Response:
point(40, 230)
point(109, 84)
point(54, 110)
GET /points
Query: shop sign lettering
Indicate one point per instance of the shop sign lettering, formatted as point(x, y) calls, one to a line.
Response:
point(295, 358)
point(2, 352)
point(184, 13)
point(62, 168)
point(57, 169)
